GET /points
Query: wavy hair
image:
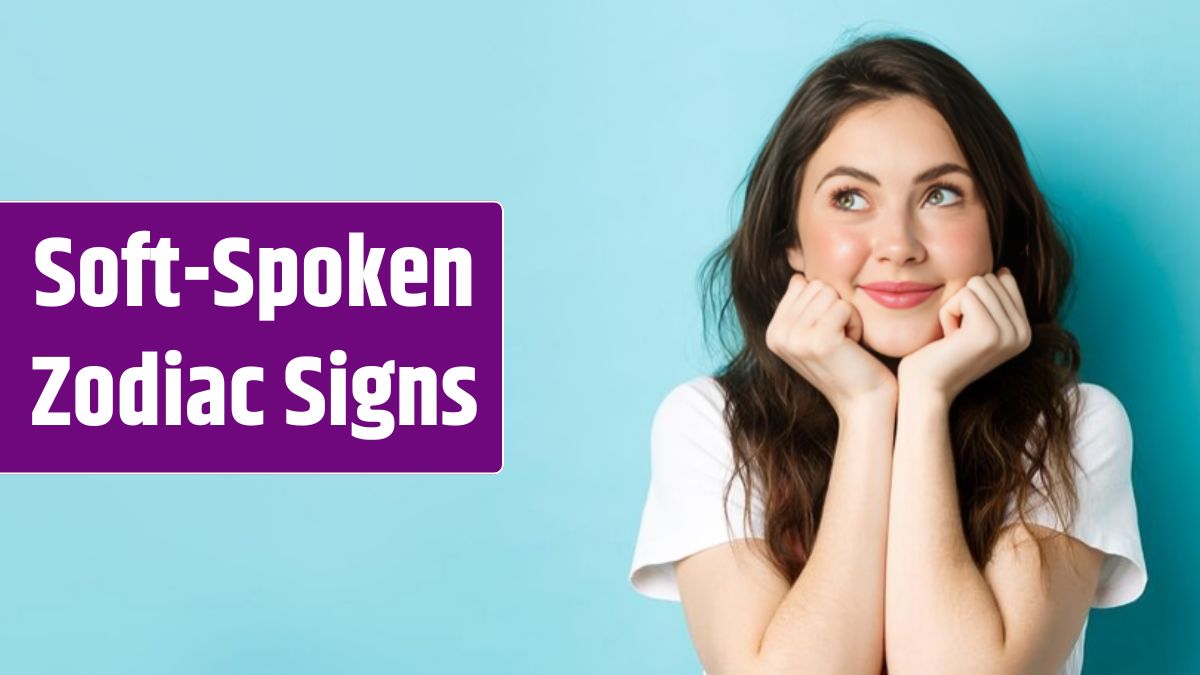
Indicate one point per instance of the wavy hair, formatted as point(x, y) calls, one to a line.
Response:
point(1011, 430)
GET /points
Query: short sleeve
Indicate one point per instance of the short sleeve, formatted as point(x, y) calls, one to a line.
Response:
point(691, 460)
point(1107, 516)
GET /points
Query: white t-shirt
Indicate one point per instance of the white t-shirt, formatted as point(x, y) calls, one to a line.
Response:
point(691, 461)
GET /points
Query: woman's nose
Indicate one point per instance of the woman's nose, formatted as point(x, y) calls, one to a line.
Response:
point(897, 240)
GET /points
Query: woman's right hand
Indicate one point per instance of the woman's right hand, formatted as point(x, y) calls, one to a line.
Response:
point(817, 333)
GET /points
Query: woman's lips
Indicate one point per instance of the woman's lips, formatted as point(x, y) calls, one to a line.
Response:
point(900, 300)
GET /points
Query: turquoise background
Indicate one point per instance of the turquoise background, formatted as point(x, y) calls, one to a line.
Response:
point(615, 136)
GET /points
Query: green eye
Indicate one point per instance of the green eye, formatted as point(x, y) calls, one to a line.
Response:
point(843, 200)
point(937, 196)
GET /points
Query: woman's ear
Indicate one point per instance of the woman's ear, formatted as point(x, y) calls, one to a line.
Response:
point(796, 259)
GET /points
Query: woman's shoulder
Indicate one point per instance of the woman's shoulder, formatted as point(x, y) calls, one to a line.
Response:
point(1107, 518)
point(691, 417)
point(700, 399)
point(695, 500)
point(701, 392)
point(1096, 397)
point(1102, 428)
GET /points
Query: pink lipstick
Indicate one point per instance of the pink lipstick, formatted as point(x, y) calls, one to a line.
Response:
point(899, 294)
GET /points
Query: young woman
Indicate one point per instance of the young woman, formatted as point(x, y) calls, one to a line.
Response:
point(898, 468)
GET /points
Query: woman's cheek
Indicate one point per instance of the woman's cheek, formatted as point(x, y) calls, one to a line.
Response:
point(966, 249)
point(840, 253)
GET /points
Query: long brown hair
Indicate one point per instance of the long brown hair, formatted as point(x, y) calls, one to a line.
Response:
point(1011, 429)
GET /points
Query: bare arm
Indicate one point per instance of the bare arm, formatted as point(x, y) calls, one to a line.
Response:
point(943, 615)
point(743, 616)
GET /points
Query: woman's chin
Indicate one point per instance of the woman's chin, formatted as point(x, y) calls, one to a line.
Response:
point(896, 344)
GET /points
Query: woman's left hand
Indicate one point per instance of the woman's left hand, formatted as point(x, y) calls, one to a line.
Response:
point(984, 325)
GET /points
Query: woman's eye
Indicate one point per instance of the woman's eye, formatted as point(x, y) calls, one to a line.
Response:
point(938, 196)
point(844, 200)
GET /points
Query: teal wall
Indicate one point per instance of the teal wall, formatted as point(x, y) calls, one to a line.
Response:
point(615, 137)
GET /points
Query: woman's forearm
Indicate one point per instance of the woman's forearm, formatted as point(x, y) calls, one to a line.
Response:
point(941, 614)
point(831, 620)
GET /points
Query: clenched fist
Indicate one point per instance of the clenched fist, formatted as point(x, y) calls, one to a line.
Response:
point(817, 333)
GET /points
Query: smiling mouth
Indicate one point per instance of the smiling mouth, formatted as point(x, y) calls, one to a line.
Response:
point(904, 300)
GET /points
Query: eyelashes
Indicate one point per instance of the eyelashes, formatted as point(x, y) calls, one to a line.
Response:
point(836, 199)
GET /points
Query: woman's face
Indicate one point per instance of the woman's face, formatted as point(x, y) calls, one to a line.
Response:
point(888, 221)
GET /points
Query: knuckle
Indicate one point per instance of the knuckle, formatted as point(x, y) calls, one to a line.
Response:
point(772, 338)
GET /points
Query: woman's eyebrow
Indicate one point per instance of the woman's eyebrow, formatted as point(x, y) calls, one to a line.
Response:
point(926, 175)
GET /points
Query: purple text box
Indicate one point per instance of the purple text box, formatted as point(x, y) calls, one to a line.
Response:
point(439, 338)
